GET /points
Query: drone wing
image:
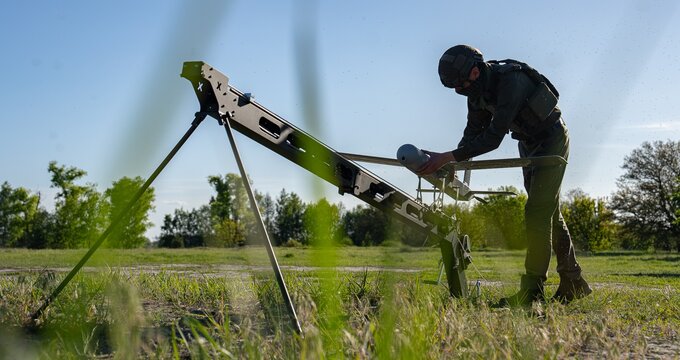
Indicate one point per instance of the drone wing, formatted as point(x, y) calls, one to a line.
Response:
point(453, 186)
point(551, 160)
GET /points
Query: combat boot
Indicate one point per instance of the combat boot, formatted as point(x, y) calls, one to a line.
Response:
point(571, 289)
point(531, 290)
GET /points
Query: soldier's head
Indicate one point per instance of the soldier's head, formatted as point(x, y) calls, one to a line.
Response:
point(459, 67)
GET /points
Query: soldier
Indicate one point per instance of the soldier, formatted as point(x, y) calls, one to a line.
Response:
point(509, 96)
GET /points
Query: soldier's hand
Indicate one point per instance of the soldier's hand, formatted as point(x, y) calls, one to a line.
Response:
point(437, 160)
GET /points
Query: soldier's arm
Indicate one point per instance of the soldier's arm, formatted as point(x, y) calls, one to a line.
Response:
point(513, 90)
point(477, 121)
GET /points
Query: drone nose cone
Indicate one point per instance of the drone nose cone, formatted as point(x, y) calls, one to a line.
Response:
point(412, 157)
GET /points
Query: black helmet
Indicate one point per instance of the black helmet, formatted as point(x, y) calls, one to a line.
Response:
point(456, 63)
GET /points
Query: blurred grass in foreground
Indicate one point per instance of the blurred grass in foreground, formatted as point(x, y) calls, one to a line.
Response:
point(153, 308)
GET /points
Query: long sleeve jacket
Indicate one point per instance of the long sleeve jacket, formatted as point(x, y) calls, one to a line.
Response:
point(502, 108)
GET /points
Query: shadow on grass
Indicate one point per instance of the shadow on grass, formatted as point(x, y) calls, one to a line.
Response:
point(87, 338)
point(665, 258)
point(638, 255)
point(628, 253)
point(655, 275)
point(95, 340)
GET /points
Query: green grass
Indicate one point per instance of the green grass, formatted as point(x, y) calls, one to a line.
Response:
point(251, 255)
point(224, 303)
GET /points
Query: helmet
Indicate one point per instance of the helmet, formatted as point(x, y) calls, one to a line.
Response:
point(456, 63)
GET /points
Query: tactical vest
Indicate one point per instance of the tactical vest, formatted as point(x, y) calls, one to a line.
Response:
point(533, 74)
point(541, 103)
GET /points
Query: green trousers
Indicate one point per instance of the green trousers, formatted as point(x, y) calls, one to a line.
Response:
point(545, 225)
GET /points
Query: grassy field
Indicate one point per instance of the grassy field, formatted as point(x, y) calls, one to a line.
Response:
point(377, 302)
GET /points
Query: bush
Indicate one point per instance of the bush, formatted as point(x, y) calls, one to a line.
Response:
point(589, 220)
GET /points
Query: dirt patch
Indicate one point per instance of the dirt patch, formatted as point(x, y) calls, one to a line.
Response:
point(213, 270)
point(649, 348)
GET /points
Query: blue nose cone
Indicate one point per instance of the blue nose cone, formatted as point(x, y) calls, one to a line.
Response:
point(412, 157)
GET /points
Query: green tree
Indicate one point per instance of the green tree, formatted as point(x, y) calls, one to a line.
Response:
point(590, 222)
point(504, 219)
point(469, 224)
point(79, 209)
point(18, 208)
point(225, 233)
point(289, 223)
point(676, 203)
point(366, 225)
point(230, 200)
point(643, 202)
point(129, 233)
point(322, 222)
point(230, 209)
point(42, 230)
point(407, 234)
point(472, 223)
point(267, 210)
point(221, 204)
point(186, 228)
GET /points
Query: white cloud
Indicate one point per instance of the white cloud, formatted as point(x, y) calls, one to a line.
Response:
point(175, 203)
point(659, 126)
point(608, 146)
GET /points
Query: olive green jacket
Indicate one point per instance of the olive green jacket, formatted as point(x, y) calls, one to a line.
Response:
point(502, 108)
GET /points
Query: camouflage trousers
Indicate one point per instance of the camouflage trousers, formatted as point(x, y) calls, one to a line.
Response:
point(545, 225)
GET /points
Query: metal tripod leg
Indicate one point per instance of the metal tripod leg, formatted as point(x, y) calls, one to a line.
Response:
point(256, 211)
point(453, 260)
point(121, 216)
point(441, 271)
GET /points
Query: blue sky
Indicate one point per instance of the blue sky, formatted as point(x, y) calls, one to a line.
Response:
point(96, 84)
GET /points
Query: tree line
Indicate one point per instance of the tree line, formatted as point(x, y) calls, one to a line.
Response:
point(643, 213)
point(81, 213)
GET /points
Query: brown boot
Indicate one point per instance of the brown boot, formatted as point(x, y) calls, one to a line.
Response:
point(571, 289)
point(530, 291)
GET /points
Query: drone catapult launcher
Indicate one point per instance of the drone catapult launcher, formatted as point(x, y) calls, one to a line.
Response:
point(231, 107)
point(227, 104)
